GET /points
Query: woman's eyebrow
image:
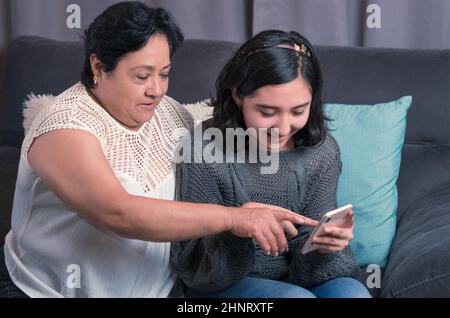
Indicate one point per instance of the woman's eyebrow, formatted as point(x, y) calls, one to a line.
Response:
point(151, 68)
point(275, 107)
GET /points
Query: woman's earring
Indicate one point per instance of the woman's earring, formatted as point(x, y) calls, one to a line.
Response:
point(95, 80)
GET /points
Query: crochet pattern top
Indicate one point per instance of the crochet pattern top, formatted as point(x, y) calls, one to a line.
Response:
point(127, 151)
point(50, 243)
point(305, 182)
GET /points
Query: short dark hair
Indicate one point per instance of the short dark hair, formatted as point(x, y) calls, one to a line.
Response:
point(260, 62)
point(125, 27)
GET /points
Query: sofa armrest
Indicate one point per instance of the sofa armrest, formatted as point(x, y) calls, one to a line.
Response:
point(419, 261)
point(9, 162)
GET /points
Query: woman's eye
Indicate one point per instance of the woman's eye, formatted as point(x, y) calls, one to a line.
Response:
point(164, 75)
point(267, 114)
point(298, 113)
point(142, 77)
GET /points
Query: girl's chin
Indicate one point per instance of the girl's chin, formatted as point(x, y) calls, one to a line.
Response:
point(280, 146)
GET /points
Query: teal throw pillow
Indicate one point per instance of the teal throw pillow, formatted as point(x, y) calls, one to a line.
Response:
point(370, 138)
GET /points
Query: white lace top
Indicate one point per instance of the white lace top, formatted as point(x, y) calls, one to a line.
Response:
point(51, 251)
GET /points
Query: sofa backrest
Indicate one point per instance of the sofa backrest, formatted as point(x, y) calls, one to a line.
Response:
point(351, 75)
point(43, 66)
point(369, 76)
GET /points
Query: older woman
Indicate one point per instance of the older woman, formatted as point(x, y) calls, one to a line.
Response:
point(93, 208)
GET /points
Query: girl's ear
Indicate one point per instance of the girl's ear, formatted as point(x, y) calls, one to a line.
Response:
point(236, 98)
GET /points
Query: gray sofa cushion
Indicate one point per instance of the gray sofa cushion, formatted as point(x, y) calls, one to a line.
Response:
point(9, 161)
point(419, 262)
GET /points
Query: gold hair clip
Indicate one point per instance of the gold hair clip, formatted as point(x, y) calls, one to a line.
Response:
point(300, 49)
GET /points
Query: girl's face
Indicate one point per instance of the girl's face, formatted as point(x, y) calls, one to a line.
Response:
point(284, 107)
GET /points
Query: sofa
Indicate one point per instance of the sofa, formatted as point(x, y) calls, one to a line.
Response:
point(419, 259)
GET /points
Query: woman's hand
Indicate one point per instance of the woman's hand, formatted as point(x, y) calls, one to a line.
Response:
point(336, 238)
point(267, 225)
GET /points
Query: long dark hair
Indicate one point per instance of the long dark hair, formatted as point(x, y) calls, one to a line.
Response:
point(267, 60)
point(125, 27)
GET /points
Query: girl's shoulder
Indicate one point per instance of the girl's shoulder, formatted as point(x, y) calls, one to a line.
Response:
point(330, 146)
point(322, 155)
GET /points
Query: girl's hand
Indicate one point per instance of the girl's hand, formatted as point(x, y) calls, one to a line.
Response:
point(336, 238)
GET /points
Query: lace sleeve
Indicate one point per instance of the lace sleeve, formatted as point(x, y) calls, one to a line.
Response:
point(65, 114)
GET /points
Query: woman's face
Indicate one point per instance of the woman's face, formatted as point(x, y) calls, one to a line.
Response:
point(285, 107)
point(133, 90)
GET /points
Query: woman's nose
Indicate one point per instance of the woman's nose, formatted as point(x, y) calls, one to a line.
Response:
point(154, 88)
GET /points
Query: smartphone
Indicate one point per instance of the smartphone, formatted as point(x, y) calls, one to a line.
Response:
point(332, 218)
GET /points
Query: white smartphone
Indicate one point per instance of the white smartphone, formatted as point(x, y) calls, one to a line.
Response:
point(332, 218)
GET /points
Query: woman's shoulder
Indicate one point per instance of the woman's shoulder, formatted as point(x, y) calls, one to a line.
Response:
point(195, 137)
point(174, 115)
point(69, 110)
point(67, 101)
point(171, 121)
point(70, 102)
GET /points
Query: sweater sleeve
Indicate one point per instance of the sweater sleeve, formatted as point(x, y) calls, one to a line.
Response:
point(215, 262)
point(314, 268)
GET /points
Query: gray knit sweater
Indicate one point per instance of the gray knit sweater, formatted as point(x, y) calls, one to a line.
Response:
point(306, 183)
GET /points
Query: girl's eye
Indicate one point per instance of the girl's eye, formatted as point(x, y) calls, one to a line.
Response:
point(164, 75)
point(298, 113)
point(267, 114)
point(142, 78)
